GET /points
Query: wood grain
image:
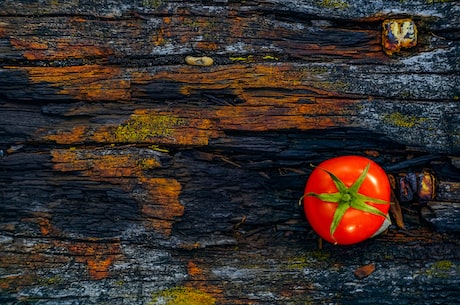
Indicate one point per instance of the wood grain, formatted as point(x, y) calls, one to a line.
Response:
point(129, 176)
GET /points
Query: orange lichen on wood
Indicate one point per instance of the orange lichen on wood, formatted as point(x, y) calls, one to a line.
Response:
point(201, 32)
point(97, 256)
point(103, 165)
point(66, 160)
point(45, 226)
point(94, 163)
point(112, 166)
point(153, 128)
point(61, 49)
point(146, 127)
point(98, 267)
point(88, 82)
point(199, 279)
point(162, 205)
point(207, 45)
point(166, 192)
point(22, 44)
point(14, 282)
point(43, 221)
point(163, 34)
point(193, 270)
point(273, 118)
point(21, 267)
point(159, 38)
point(184, 126)
point(275, 96)
point(75, 135)
point(244, 78)
point(158, 197)
point(67, 52)
point(265, 109)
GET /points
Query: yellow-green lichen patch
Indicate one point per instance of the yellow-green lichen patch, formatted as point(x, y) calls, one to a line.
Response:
point(310, 259)
point(338, 4)
point(401, 120)
point(152, 3)
point(443, 269)
point(270, 57)
point(159, 149)
point(147, 127)
point(340, 86)
point(438, 1)
point(249, 58)
point(315, 69)
point(252, 58)
point(444, 265)
point(182, 296)
point(147, 163)
point(50, 281)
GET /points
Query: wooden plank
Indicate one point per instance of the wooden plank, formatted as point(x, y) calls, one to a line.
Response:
point(129, 176)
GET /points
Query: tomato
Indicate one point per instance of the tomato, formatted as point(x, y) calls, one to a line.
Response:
point(347, 199)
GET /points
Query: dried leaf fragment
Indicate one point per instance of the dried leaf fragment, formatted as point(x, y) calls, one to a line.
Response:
point(364, 271)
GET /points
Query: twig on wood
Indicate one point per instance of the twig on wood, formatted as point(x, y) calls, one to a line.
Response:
point(226, 160)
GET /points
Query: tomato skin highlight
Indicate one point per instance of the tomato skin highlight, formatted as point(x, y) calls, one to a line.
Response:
point(356, 225)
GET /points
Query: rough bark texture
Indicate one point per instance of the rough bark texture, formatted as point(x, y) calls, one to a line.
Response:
point(128, 176)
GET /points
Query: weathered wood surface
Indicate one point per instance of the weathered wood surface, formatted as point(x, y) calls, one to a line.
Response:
point(128, 176)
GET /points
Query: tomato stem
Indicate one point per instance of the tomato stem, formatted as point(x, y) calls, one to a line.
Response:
point(346, 198)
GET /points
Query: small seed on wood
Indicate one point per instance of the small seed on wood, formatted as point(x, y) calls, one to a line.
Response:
point(203, 61)
point(398, 34)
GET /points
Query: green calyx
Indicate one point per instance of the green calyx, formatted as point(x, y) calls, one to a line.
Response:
point(348, 197)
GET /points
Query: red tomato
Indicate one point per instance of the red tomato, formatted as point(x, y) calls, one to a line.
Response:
point(363, 200)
